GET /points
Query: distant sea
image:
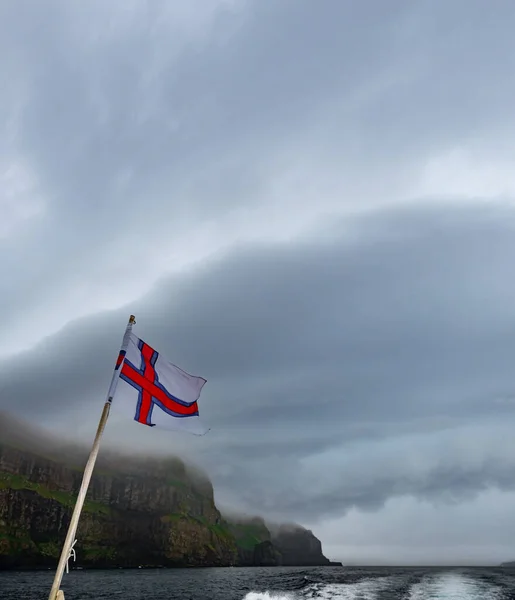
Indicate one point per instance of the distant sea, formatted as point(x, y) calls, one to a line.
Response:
point(268, 584)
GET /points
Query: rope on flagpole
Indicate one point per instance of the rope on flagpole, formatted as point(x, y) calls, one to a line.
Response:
point(70, 541)
point(71, 554)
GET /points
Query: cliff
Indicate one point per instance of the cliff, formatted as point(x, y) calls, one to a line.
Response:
point(253, 542)
point(137, 512)
point(264, 545)
point(150, 512)
point(298, 546)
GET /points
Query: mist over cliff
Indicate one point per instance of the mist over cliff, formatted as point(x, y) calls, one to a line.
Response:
point(139, 511)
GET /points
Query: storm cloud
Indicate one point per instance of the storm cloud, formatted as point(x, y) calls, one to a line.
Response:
point(310, 206)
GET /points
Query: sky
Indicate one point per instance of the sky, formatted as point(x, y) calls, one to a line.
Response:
point(311, 205)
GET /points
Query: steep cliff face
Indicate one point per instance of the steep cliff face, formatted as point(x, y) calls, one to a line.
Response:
point(253, 542)
point(259, 544)
point(298, 546)
point(135, 513)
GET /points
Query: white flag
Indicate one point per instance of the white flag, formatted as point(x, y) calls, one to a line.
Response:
point(155, 392)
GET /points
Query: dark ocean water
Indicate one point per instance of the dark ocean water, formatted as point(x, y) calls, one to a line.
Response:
point(268, 584)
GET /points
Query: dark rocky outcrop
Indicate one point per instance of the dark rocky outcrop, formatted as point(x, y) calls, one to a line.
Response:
point(253, 541)
point(264, 545)
point(298, 546)
point(137, 512)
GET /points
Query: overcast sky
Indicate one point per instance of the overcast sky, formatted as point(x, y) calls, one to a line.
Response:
point(311, 204)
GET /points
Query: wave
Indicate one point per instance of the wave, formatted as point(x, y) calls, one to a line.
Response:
point(366, 589)
point(453, 585)
point(271, 596)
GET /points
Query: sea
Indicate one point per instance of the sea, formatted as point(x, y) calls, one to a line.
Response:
point(329, 583)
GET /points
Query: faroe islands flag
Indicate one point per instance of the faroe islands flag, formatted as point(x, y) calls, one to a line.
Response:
point(156, 392)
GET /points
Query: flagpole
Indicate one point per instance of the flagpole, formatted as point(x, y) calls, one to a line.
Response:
point(55, 592)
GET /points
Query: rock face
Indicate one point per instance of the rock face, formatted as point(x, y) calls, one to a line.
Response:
point(153, 512)
point(253, 541)
point(147, 513)
point(298, 546)
point(285, 545)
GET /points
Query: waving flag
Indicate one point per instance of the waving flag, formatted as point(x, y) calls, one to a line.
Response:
point(155, 392)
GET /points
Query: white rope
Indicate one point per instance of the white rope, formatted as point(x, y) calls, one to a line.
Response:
point(71, 554)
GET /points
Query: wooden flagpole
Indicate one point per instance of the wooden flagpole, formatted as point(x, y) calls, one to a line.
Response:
point(55, 592)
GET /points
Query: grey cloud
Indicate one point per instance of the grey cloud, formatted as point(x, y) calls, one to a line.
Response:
point(124, 130)
point(411, 532)
point(317, 348)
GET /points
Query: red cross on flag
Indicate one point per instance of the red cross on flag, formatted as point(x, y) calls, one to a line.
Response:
point(156, 392)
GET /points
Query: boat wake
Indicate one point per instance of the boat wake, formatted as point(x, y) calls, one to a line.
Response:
point(452, 585)
point(455, 586)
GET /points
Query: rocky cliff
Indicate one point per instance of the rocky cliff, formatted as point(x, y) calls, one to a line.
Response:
point(137, 512)
point(266, 545)
point(298, 546)
point(150, 512)
point(253, 542)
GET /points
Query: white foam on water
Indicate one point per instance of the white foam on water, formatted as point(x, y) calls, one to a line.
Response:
point(366, 589)
point(454, 586)
point(269, 596)
point(442, 586)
